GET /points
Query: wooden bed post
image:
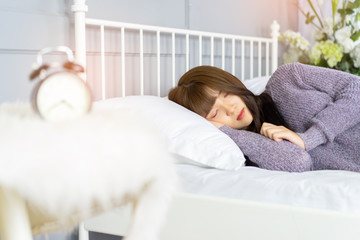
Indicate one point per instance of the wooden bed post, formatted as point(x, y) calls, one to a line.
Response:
point(79, 8)
point(275, 28)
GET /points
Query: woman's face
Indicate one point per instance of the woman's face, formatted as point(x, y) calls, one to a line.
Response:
point(230, 110)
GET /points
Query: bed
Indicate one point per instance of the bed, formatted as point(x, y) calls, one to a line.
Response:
point(220, 197)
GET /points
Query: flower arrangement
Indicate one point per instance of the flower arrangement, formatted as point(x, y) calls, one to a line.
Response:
point(336, 38)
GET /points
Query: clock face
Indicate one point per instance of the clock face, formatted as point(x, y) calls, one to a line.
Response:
point(63, 96)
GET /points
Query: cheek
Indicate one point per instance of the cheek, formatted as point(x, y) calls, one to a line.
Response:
point(226, 120)
point(250, 116)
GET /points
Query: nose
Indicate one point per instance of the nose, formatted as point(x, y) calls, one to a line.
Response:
point(230, 110)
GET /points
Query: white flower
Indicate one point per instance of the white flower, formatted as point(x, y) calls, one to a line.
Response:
point(318, 35)
point(337, 41)
point(295, 40)
point(292, 55)
point(342, 37)
point(356, 28)
point(347, 45)
point(315, 55)
point(328, 26)
point(326, 32)
point(355, 55)
point(348, 19)
point(337, 18)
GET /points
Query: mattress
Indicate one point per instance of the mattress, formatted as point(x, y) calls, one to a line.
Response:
point(326, 189)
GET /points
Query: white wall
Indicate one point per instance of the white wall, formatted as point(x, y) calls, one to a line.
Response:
point(26, 27)
point(30, 25)
point(167, 13)
point(242, 17)
point(247, 17)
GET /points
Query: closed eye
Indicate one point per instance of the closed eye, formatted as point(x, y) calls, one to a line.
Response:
point(216, 113)
point(212, 116)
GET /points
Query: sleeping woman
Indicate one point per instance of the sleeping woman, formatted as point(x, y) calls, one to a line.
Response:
point(308, 118)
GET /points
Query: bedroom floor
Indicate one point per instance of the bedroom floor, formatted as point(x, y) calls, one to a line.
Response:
point(74, 236)
point(102, 236)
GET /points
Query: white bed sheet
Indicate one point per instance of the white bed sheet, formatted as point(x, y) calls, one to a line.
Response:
point(326, 189)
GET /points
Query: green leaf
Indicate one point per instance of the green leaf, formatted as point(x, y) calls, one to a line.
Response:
point(342, 12)
point(309, 19)
point(344, 64)
point(349, 11)
point(357, 17)
point(334, 4)
point(357, 72)
point(354, 5)
point(355, 36)
point(316, 14)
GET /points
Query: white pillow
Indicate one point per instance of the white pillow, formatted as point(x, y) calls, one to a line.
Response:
point(189, 135)
point(256, 85)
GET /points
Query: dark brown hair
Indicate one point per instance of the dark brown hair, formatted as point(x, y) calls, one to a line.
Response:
point(195, 92)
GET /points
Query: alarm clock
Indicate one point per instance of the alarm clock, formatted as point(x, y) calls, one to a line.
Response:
point(60, 94)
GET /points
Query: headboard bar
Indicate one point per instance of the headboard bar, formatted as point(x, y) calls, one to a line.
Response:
point(115, 24)
point(224, 42)
point(275, 32)
point(103, 76)
point(80, 8)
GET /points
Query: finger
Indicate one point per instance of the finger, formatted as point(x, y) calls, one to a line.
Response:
point(268, 130)
point(279, 136)
point(264, 128)
point(276, 133)
point(279, 133)
point(291, 137)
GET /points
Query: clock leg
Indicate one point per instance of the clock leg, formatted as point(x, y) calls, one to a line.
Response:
point(14, 220)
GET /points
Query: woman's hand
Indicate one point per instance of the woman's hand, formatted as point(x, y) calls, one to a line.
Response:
point(279, 133)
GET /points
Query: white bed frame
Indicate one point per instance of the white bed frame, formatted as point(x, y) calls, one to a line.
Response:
point(194, 217)
point(244, 56)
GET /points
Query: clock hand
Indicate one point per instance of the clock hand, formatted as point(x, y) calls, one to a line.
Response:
point(67, 104)
point(58, 104)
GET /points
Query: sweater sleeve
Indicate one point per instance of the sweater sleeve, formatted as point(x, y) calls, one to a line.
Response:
point(341, 113)
point(268, 154)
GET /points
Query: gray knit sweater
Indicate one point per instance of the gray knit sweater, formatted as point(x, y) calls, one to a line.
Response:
point(320, 104)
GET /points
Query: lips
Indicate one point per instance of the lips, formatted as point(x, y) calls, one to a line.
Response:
point(241, 114)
